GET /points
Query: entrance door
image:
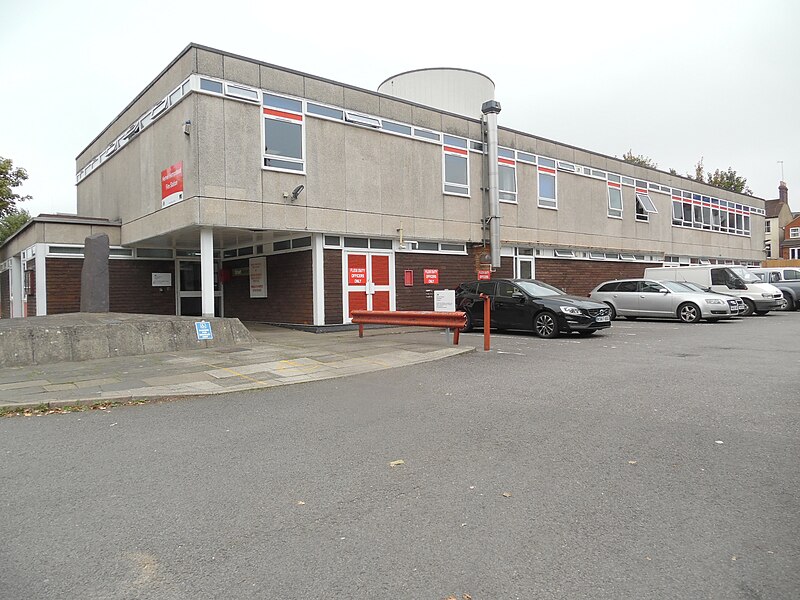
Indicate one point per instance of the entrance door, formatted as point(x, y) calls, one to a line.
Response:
point(368, 282)
point(523, 267)
point(190, 303)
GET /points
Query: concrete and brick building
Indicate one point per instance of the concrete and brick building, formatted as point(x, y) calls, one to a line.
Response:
point(237, 187)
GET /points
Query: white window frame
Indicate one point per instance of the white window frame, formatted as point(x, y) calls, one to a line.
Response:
point(794, 253)
point(543, 202)
point(767, 226)
point(287, 116)
point(794, 233)
point(460, 152)
point(511, 195)
point(612, 212)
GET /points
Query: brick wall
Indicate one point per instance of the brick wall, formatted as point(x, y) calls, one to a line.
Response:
point(289, 291)
point(579, 277)
point(130, 286)
point(453, 270)
point(332, 260)
point(5, 294)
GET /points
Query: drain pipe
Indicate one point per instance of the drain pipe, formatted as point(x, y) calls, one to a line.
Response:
point(490, 109)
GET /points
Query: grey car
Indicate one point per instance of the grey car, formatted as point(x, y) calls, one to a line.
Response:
point(632, 298)
point(736, 303)
point(786, 279)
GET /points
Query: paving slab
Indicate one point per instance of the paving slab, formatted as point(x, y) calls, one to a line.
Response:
point(274, 356)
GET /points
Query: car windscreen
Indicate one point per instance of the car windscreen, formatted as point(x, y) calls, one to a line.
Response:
point(539, 289)
point(745, 275)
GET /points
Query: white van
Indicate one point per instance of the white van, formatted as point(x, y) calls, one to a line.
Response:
point(759, 297)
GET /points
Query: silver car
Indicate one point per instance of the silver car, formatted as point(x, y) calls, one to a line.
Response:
point(632, 298)
point(740, 308)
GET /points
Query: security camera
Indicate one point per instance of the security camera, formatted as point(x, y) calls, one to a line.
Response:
point(296, 191)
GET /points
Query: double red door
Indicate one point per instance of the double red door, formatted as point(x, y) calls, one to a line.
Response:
point(368, 282)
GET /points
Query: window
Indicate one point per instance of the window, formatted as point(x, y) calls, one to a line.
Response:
point(767, 226)
point(794, 232)
point(768, 249)
point(794, 253)
point(211, 86)
point(791, 274)
point(547, 183)
point(283, 133)
point(396, 127)
point(362, 120)
point(525, 157)
point(609, 287)
point(627, 286)
point(644, 205)
point(428, 135)
point(456, 166)
point(614, 198)
point(507, 179)
point(238, 91)
point(324, 111)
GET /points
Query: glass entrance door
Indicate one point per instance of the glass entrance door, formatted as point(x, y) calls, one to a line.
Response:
point(189, 289)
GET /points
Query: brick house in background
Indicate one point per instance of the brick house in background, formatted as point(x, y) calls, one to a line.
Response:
point(790, 246)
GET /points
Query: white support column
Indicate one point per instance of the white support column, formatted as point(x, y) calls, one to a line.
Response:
point(41, 280)
point(207, 271)
point(318, 278)
point(16, 287)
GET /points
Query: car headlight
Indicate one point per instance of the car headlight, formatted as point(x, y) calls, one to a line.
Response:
point(571, 310)
point(713, 301)
point(765, 295)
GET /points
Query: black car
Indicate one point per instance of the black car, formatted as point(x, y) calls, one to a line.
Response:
point(531, 305)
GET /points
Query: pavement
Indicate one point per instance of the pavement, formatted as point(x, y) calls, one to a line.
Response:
point(280, 356)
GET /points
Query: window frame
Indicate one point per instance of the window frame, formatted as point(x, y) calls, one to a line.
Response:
point(283, 115)
point(509, 163)
point(794, 233)
point(547, 171)
point(451, 146)
point(612, 212)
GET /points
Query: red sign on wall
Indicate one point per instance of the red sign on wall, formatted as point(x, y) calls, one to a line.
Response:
point(172, 185)
point(409, 278)
point(430, 276)
point(357, 275)
point(484, 274)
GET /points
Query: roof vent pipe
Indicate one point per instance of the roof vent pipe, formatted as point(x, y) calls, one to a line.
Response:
point(490, 110)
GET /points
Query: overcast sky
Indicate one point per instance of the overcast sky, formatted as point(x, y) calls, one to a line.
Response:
point(675, 81)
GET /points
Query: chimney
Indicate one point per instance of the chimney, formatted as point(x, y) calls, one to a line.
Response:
point(783, 192)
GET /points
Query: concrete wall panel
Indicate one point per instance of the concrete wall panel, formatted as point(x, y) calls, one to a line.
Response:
point(242, 151)
point(241, 71)
point(276, 80)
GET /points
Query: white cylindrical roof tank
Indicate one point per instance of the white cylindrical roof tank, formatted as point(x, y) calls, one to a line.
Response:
point(459, 91)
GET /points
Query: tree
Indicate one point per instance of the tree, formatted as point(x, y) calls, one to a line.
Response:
point(9, 179)
point(640, 160)
point(11, 222)
point(727, 180)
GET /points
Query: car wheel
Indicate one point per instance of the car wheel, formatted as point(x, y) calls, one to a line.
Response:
point(545, 325)
point(689, 313)
point(751, 307)
point(788, 302)
point(469, 324)
point(587, 332)
point(613, 313)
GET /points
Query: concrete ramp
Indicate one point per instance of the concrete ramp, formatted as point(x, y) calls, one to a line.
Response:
point(86, 336)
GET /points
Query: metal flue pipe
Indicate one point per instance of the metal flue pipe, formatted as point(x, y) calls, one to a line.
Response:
point(490, 109)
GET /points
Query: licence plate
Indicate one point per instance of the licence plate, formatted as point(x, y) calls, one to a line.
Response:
point(603, 319)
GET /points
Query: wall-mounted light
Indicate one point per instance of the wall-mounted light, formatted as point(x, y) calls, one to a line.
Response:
point(297, 191)
point(187, 126)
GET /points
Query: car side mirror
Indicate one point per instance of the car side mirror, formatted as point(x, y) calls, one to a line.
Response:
point(519, 296)
point(663, 290)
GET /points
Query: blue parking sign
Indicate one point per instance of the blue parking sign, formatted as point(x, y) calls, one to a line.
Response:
point(203, 330)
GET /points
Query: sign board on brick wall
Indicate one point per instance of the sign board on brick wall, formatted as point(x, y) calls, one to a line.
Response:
point(444, 300)
point(162, 279)
point(484, 274)
point(430, 276)
point(172, 184)
point(258, 277)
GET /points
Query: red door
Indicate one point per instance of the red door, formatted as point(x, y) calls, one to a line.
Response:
point(368, 282)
